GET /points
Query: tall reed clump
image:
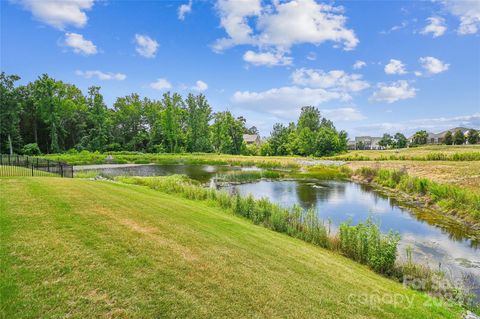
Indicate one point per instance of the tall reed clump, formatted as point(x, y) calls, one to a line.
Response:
point(448, 197)
point(366, 244)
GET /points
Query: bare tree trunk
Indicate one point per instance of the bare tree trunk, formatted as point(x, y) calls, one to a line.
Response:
point(10, 144)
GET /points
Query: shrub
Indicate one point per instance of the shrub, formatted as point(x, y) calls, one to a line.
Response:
point(31, 149)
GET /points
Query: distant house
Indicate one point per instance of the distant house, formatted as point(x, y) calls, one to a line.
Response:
point(251, 139)
point(351, 145)
point(367, 143)
point(439, 138)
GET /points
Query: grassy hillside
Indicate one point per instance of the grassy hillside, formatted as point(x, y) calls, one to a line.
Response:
point(86, 249)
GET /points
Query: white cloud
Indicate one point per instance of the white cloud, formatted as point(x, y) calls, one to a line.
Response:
point(161, 84)
point(469, 13)
point(335, 80)
point(395, 67)
point(282, 24)
point(285, 101)
point(101, 75)
point(59, 13)
point(266, 58)
point(146, 46)
point(359, 64)
point(184, 9)
point(401, 26)
point(399, 90)
point(433, 65)
point(346, 114)
point(79, 44)
point(436, 26)
point(200, 86)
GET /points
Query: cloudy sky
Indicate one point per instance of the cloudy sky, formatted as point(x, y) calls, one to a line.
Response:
point(370, 66)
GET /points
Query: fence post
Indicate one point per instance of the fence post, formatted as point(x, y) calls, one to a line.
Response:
point(9, 160)
point(61, 168)
point(32, 168)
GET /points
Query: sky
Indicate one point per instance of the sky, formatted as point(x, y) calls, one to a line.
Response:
point(370, 66)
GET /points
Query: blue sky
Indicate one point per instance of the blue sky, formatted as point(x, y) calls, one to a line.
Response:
point(370, 66)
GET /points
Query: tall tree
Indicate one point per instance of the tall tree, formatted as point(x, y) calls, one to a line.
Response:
point(198, 115)
point(386, 140)
point(129, 123)
point(9, 112)
point(172, 122)
point(309, 117)
point(459, 138)
point(99, 124)
point(420, 138)
point(448, 139)
point(473, 136)
point(400, 140)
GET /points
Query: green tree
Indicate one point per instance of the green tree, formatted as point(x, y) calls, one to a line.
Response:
point(279, 139)
point(420, 138)
point(98, 134)
point(448, 139)
point(9, 113)
point(129, 123)
point(227, 133)
point(198, 115)
point(473, 136)
point(459, 138)
point(400, 141)
point(172, 122)
point(309, 117)
point(386, 140)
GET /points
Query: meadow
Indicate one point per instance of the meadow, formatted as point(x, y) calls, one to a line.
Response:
point(105, 249)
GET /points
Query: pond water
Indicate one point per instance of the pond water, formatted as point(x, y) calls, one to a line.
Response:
point(439, 246)
point(434, 242)
point(201, 173)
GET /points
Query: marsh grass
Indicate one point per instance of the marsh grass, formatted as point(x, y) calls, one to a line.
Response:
point(246, 176)
point(448, 197)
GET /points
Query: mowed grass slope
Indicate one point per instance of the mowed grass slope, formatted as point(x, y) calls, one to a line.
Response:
point(84, 249)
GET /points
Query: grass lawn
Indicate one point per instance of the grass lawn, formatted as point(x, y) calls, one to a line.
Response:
point(83, 249)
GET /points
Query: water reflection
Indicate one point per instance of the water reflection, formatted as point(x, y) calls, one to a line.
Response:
point(434, 241)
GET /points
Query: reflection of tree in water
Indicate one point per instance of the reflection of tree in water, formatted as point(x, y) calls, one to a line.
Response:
point(309, 194)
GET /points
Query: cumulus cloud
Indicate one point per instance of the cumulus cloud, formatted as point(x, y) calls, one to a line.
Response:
point(200, 86)
point(433, 65)
point(345, 114)
point(79, 44)
point(184, 9)
point(146, 46)
point(395, 67)
point(436, 26)
point(101, 75)
point(335, 80)
point(161, 85)
point(399, 90)
point(59, 13)
point(282, 24)
point(359, 64)
point(468, 12)
point(285, 101)
point(267, 58)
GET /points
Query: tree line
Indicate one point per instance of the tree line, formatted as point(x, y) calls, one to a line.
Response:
point(51, 116)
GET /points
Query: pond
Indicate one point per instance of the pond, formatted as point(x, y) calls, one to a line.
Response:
point(440, 246)
point(435, 242)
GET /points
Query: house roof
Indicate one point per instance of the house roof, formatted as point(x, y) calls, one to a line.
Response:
point(250, 137)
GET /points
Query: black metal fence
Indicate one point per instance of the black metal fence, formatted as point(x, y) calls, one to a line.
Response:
point(19, 165)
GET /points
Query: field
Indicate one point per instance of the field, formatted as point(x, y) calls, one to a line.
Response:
point(103, 249)
point(429, 152)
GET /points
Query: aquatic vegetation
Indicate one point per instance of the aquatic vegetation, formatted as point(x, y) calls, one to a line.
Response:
point(448, 197)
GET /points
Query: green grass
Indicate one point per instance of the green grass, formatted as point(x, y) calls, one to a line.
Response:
point(84, 249)
point(6, 170)
point(448, 197)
